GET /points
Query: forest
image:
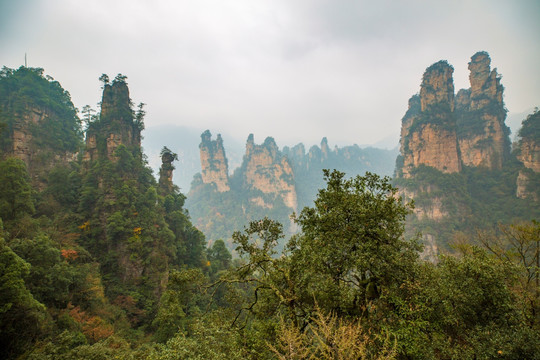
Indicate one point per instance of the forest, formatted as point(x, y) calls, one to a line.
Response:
point(100, 260)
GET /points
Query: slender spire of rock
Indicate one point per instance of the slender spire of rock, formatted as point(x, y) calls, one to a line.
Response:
point(325, 149)
point(116, 125)
point(482, 134)
point(214, 166)
point(437, 89)
point(429, 131)
point(166, 170)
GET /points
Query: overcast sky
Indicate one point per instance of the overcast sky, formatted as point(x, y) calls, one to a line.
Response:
point(296, 70)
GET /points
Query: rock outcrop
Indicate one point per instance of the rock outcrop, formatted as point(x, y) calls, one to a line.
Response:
point(266, 169)
point(528, 152)
point(117, 124)
point(39, 124)
point(28, 145)
point(482, 134)
point(447, 132)
point(455, 160)
point(166, 185)
point(352, 160)
point(428, 132)
point(214, 166)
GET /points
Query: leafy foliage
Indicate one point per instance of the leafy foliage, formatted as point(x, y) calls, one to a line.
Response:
point(101, 263)
point(530, 127)
point(25, 90)
point(476, 198)
point(16, 195)
point(21, 316)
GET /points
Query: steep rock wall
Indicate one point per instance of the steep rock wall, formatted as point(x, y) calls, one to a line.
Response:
point(428, 135)
point(214, 165)
point(480, 113)
point(528, 152)
point(267, 170)
point(116, 125)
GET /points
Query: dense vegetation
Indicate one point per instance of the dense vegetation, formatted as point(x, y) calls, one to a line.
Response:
point(219, 214)
point(530, 127)
point(25, 91)
point(104, 263)
point(476, 199)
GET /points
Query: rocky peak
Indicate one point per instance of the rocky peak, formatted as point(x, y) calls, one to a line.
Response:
point(115, 102)
point(474, 118)
point(250, 144)
point(485, 83)
point(214, 166)
point(297, 153)
point(437, 87)
point(117, 124)
point(480, 70)
point(482, 134)
point(166, 170)
point(271, 146)
point(325, 149)
point(269, 171)
point(428, 129)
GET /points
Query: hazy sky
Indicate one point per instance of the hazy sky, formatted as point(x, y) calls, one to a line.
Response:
point(296, 70)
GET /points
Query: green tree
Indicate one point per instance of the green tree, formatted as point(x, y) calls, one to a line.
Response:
point(21, 316)
point(25, 90)
point(519, 244)
point(104, 78)
point(16, 197)
point(219, 257)
point(351, 251)
point(180, 302)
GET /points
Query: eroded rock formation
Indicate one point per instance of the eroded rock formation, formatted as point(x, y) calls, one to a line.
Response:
point(28, 144)
point(528, 152)
point(116, 126)
point(269, 171)
point(480, 113)
point(214, 166)
point(428, 132)
point(447, 132)
point(166, 185)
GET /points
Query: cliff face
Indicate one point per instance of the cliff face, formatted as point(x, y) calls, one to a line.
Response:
point(528, 152)
point(480, 113)
point(268, 171)
point(27, 144)
point(273, 183)
point(352, 160)
point(455, 156)
point(116, 126)
point(446, 132)
point(428, 135)
point(39, 122)
point(214, 165)
point(22, 138)
point(433, 147)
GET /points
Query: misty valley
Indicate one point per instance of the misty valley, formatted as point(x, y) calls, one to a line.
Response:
point(427, 251)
